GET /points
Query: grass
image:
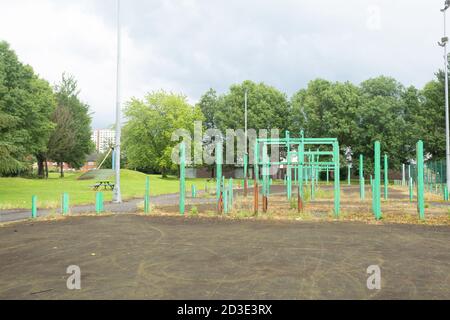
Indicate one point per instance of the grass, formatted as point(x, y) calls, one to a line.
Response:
point(16, 193)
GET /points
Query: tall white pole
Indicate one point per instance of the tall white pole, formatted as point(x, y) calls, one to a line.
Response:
point(117, 196)
point(447, 130)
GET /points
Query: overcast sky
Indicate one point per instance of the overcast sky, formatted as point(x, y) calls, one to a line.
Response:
point(190, 46)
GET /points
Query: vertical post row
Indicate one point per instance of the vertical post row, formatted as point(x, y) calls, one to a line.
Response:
point(337, 187)
point(361, 177)
point(34, 207)
point(182, 178)
point(376, 182)
point(420, 178)
point(386, 177)
point(147, 195)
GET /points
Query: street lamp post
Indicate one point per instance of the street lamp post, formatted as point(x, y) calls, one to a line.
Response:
point(117, 197)
point(443, 44)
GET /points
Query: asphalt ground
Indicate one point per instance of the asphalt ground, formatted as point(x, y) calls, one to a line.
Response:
point(141, 257)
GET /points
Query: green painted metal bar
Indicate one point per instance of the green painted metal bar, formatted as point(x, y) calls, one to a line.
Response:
point(411, 189)
point(420, 182)
point(34, 207)
point(194, 191)
point(361, 178)
point(328, 175)
point(65, 203)
point(230, 187)
point(289, 168)
point(219, 163)
point(183, 179)
point(147, 195)
point(386, 177)
point(99, 208)
point(377, 195)
point(337, 187)
point(256, 161)
point(349, 170)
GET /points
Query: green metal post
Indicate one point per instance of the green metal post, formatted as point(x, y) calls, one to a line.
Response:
point(34, 207)
point(411, 190)
point(377, 195)
point(225, 199)
point(337, 187)
point(289, 168)
point(328, 175)
point(147, 195)
point(219, 162)
point(386, 177)
point(230, 186)
point(99, 202)
point(349, 172)
point(65, 203)
point(194, 191)
point(182, 178)
point(361, 177)
point(420, 177)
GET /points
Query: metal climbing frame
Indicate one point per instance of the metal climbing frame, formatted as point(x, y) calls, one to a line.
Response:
point(301, 162)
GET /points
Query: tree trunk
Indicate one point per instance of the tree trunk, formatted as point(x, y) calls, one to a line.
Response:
point(41, 173)
point(40, 161)
point(46, 169)
point(61, 165)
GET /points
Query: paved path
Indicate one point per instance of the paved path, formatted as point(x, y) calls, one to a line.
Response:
point(129, 206)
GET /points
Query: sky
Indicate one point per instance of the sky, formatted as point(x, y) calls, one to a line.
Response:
point(189, 46)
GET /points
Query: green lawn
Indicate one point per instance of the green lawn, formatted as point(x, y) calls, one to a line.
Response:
point(17, 192)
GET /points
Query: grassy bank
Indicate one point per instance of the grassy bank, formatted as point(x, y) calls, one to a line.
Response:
point(16, 193)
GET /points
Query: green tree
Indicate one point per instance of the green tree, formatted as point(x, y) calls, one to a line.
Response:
point(151, 123)
point(268, 108)
point(71, 141)
point(26, 104)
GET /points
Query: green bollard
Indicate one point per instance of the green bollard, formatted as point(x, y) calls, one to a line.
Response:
point(411, 190)
point(147, 196)
point(420, 183)
point(337, 186)
point(34, 207)
point(386, 177)
point(361, 177)
point(182, 179)
point(65, 203)
point(99, 202)
point(230, 186)
point(225, 200)
point(377, 182)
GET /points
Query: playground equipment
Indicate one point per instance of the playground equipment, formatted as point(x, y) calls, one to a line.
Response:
point(303, 165)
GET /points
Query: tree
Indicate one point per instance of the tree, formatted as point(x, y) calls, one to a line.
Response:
point(268, 108)
point(208, 104)
point(71, 141)
point(26, 104)
point(148, 131)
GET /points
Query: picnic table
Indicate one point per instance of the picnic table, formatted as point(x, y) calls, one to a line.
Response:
point(103, 184)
